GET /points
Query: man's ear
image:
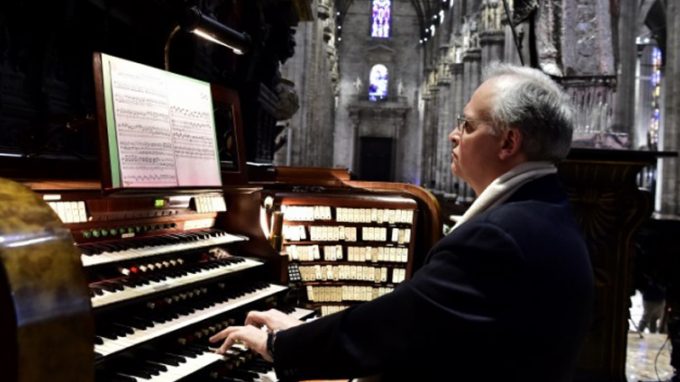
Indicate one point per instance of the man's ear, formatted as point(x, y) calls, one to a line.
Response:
point(511, 143)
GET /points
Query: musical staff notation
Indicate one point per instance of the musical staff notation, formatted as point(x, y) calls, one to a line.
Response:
point(164, 127)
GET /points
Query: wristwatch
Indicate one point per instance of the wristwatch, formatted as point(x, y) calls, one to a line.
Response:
point(271, 338)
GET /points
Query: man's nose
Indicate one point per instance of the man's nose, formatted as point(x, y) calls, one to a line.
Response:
point(454, 136)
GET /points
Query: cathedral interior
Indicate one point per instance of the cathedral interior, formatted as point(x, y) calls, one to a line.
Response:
point(326, 99)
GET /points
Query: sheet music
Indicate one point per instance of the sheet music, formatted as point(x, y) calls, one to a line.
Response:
point(193, 131)
point(164, 127)
point(140, 107)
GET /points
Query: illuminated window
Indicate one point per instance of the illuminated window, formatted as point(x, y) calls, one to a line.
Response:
point(377, 88)
point(380, 18)
point(653, 135)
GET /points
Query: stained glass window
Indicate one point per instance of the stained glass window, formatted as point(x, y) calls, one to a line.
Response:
point(377, 88)
point(653, 135)
point(380, 18)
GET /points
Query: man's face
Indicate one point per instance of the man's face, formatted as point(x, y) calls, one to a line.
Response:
point(474, 156)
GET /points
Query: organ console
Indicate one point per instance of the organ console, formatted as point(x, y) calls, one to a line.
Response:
point(128, 284)
point(158, 272)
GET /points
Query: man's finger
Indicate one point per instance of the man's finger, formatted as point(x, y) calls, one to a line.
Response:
point(256, 318)
point(223, 334)
point(231, 338)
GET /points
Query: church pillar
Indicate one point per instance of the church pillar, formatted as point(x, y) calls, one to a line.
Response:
point(624, 105)
point(313, 73)
point(430, 136)
point(492, 45)
point(471, 77)
point(670, 169)
point(458, 104)
point(301, 121)
point(587, 37)
point(547, 17)
point(471, 72)
point(443, 125)
point(399, 123)
point(425, 151)
point(491, 36)
point(353, 152)
point(309, 135)
point(670, 180)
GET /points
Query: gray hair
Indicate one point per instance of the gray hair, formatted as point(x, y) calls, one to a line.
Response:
point(537, 106)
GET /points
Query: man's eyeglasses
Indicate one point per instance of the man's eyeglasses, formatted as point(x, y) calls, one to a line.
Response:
point(467, 125)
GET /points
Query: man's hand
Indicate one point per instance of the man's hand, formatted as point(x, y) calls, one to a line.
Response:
point(251, 334)
point(273, 319)
point(255, 339)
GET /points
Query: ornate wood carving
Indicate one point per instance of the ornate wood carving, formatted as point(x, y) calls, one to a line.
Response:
point(609, 207)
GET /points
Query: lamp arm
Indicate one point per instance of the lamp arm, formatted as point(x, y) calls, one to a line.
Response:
point(166, 49)
point(195, 21)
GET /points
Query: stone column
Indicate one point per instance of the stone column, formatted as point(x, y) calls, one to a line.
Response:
point(491, 35)
point(430, 138)
point(352, 152)
point(669, 168)
point(547, 17)
point(510, 49)
point(492, 45)
point(670, 179)
point(399, 122)
point(300, 128)
point(426, 150)
point(443, 126)
point(313, 74)
point(510, 53)
point(311, 128)
point(319, 134)
point(471, 74)
point(471, 71)
point(587, 38)
point(624, 104)
point(458, 104)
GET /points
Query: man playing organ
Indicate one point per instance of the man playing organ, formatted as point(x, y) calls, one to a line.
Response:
point(507, 294)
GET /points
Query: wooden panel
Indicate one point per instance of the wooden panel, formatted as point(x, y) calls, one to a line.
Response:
point(609, 208)
point(328, 177)
point(347, 200)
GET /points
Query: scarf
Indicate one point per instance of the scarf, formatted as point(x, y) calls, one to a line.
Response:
point(505, 185)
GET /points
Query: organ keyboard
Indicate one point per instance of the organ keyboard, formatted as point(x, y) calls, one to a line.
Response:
point(189, 354)
point(147, 324)
point(126, 288)
point(102, 254)
point(168, 272)
point(160, 267)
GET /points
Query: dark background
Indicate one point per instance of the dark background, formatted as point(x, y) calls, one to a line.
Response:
point(46, 77)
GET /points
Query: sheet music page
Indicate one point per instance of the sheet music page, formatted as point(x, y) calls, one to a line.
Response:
point(193, 132)
point(143, 128)
point(164, 127)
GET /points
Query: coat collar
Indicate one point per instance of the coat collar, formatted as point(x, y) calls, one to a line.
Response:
point(546, 189)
